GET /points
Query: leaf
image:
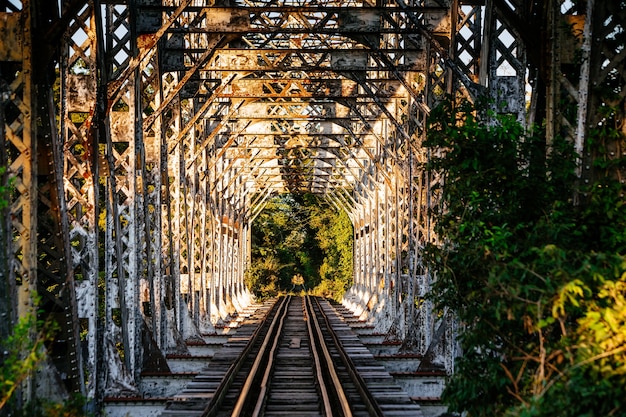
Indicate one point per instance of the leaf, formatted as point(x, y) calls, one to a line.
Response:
point(570, 293)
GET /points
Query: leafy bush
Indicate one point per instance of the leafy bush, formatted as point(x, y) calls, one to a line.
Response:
point(74, 406)
point(6, 185)
point(262, 277)
point(334, 235)
point(536, 279)
point(22, 352)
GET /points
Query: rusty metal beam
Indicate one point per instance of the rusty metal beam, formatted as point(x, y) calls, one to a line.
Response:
point(311, 59)
point(199, 114)
point(329, 87)
point(205, 56)
point(147, 50)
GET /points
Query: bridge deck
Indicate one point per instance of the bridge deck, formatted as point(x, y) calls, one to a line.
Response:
point(193, 400)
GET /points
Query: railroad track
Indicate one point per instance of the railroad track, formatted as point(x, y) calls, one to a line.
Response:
point(301, 359)
point(296, 366)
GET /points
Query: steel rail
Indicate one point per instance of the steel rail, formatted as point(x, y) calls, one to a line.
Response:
point(318, 368)
point(253, 394)
point(317, 338)
point(266, 357)
point(220, 393)
point(372, 406)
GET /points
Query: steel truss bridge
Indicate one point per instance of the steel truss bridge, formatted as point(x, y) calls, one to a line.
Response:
point(142, 137)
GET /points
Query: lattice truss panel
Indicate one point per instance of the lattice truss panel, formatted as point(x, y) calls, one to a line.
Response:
point(78, 105)
point(587, 80)
point(37, 279)
point(19, 218)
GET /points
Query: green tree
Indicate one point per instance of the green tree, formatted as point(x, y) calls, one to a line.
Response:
point(537, 282)
point(282, 233)
point(300, 235)
point(334, 234)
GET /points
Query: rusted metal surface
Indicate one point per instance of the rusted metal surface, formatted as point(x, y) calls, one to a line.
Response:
point(180, 119)
point(80, 171)
point(20, 154)
point(11, 48)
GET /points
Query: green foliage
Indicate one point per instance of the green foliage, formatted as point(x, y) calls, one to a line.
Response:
point(23, 351)
point(335, 238)
point(262, 276)
point(5, 188)
point(537, 281)
point(297, 241)
point(283, 245)
point(74, 406)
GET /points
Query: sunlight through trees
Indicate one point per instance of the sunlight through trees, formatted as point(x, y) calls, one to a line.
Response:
point(297, 235)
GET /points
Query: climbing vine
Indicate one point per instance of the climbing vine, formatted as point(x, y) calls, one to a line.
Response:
point(533, 263)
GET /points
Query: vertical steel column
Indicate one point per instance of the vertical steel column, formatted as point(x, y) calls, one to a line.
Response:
point(386, 269)
point(401, 294)
point(377, 298)
point(242, 246)
point(230, 239)
point(198, 215)
point(238, 237)
point(355, 293)
point(19, 150)
point(188, 220)
point(221, 238)
point(55, 277)
point(209, 255)
point(392, 275)
point(367, 249)
point(602, 82)
point(121, 336)
point(204, 324)
point(214, 239)
point(174, 217)
point(78, 73)
point(149, 97)
point(195, 217)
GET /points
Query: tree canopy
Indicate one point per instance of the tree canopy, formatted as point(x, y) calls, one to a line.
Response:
point(300, 242)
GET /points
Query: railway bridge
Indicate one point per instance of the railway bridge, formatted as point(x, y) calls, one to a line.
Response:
point(141, 138)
